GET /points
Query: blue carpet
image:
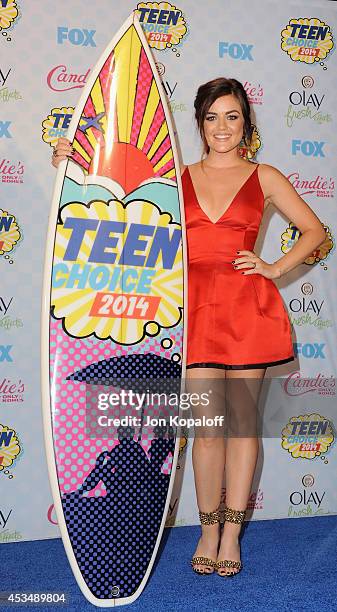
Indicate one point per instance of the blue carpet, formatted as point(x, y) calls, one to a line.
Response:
point(289, 564)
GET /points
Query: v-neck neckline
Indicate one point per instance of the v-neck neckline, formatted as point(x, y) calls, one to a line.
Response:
point(230, 204)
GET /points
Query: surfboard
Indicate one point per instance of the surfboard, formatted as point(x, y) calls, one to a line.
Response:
point(113, 334)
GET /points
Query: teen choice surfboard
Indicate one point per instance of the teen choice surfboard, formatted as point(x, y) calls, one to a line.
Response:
point(113, 338)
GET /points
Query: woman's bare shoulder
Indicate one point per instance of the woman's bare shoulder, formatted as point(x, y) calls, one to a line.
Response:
point(189, 166)
point(269, 172)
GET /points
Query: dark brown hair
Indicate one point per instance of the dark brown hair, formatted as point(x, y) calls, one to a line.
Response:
point(211, 91)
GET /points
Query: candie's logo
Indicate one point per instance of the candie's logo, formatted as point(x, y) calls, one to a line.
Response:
point(320, 186)
point(292, 234)
point(308, 436)
point(10, 234)
point(11, 390)
point(11, 172)
point(295, 385)
point(9, 15)
point(254, 92)
point(163, 23)
point(307, 40)
point(60, 78)
point(10, 449)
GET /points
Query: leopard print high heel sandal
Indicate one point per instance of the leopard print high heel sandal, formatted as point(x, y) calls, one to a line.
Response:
point(232, 516)
point(206, 518)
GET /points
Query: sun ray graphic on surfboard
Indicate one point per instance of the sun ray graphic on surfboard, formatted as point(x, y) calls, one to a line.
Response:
point(114, 130)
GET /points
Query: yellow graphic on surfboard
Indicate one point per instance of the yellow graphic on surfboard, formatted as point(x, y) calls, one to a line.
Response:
point(118, 133)
point(118, 270)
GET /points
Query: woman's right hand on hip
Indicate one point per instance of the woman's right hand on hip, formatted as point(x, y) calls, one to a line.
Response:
point(62, 150)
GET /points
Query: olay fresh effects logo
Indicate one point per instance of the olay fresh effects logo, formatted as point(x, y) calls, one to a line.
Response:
point(163, 23)
point(308, 436)
point(10, 14)
point(307, 501)
point(62, 78)
point(307, 40)
point(308, 311)
point(319, 186)
point(11, 390)
point(11, 172)
point(10, 235)
point(321, 253)
point(6, 535)
point(7, 94)
point(254, 92)
point(170, 88)
point(306, 103)
point(8, 322)
point(4, 516)
point(295, 385)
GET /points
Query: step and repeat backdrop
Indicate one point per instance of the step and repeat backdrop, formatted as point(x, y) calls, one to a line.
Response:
point(284, 53)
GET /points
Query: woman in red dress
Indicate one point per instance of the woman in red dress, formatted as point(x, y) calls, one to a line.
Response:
point(237, 323)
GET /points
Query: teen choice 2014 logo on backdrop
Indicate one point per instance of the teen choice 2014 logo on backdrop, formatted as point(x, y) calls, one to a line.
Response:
point(9, 15)
point(308, 436)
point(57, 123)
point(10, 449)
point(117, 270)
point(10, 234)
point(292, 234)
point(163, 23)
point(307, 40)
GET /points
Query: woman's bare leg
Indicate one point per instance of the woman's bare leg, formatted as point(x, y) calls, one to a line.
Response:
point(208, 457)
point(242, 448)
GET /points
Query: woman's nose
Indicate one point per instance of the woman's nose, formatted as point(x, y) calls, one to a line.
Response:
point(222, 122)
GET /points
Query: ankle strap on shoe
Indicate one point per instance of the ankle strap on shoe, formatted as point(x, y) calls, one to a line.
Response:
point(234, 516)
point(209, 518)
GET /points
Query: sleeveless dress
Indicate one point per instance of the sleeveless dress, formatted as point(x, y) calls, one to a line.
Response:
point(235, 321)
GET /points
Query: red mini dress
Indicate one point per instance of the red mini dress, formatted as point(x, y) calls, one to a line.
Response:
point(235, 321)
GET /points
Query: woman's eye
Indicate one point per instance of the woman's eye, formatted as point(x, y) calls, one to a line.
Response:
point(233, 117)
point(210, 118)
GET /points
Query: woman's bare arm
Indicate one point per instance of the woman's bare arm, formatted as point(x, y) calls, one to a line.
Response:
point(279, 192)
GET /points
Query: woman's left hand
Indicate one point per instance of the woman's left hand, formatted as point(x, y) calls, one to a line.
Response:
point(249, 263)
